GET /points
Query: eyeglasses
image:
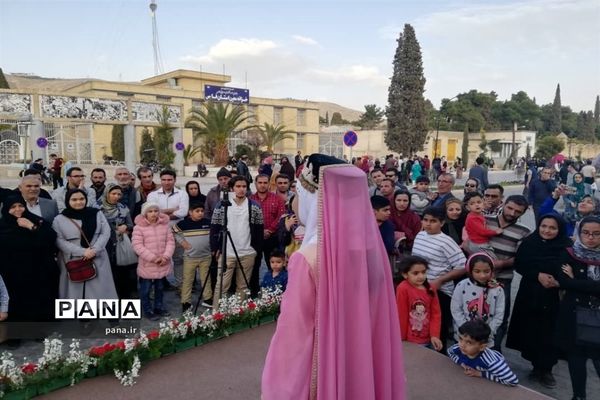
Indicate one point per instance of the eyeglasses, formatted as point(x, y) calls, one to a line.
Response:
point(595, 235)
point(493, 196)
point(468, 185)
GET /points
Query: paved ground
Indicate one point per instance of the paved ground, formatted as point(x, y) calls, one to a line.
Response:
point(32, 350)
point(231, 368)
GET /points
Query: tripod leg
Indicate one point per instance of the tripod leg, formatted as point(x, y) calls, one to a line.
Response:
point(238, 262)
point(207, 281)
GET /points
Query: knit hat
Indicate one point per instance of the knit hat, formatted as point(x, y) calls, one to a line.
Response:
point(481, 253)
point(223, 172)
point(147, 206)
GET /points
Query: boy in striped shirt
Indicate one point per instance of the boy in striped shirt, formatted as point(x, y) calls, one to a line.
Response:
point(477, 360)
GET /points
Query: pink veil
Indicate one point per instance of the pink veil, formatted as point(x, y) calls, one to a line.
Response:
point(357, 338)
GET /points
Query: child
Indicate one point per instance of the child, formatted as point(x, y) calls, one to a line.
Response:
point(418, 305)
point(193, 234)
point(477, 360)
point(383, 211)
point(475, 226)
point(478, 296)
point(154, 244)
point(419, 195)
point(278, 275)
point(446, 261)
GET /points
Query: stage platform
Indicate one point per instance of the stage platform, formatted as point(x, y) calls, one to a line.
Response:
point(230, 369)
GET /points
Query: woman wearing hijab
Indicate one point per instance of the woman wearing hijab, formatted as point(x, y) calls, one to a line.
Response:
point(27, 267)
point(193, 190)
point(406, 222)
point(339, 303)
point(533, 323)
point(471, 185)
point(287, 168)
point(456, 217)
point(580, 277)
point(71, 225)
point(119, 219)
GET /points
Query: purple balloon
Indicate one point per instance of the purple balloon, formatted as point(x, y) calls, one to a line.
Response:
point(179, 146)
point(42, 142)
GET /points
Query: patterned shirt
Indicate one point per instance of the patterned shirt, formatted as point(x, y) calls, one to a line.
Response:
point(506, 244)
point(273, 207)
point(490, 363)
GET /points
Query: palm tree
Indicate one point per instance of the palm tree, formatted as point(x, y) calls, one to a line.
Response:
point(271, 135)
point(218, 122)
point(189, 152)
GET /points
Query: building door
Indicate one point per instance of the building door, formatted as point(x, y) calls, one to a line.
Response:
point(451, 156)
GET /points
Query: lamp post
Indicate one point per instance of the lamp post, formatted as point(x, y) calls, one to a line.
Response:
point(437, 133)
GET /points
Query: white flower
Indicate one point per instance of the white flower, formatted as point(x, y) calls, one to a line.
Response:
point(52, 353)
point(10, 370)
point(128, 378)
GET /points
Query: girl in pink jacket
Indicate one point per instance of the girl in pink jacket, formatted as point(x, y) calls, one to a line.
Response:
point(154, 244)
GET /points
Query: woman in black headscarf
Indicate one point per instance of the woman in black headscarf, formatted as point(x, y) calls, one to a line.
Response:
point(533, 323)
point(27, 267)
point(193, 190)
point(287, 168)
point(69, 225)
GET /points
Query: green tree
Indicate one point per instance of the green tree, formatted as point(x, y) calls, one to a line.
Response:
point(597, 111)
point(3, 81)
point(163, 139)
point(568, 121)
point(271, 135)
point(189, 152)
point(556, 125)
point(322, 120)
point(117, 142)
point(372, 117)
point(483, 145)
point(406, 115)
point(548, 146)
point(336, 119)
point(147, 148)
point(217, 122)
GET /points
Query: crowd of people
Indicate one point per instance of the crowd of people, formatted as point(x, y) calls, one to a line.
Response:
point(453, 260)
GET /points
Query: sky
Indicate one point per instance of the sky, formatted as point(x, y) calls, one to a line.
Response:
point(328, 50)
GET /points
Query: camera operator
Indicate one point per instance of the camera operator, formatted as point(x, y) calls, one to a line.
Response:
point(245, 226)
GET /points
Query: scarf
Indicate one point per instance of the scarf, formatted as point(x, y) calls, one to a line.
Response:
point(86, 215)
point(579, 190)
point(111, 211)
point(11, 220)
point(145, 192)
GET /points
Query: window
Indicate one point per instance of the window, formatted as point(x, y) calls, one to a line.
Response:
point(301, 118)
point(277, 115)
point(300, 141)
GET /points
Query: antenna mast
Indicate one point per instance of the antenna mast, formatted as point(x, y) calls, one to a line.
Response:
point(158, 65)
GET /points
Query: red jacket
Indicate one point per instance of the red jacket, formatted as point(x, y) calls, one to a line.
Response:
point(273, 207)
point(407, 222)
point(475, 227)
point(419, 312)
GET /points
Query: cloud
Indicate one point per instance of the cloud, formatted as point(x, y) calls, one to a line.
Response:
point(234, 48)
point(525, 45)
point(305, 40)
point(353, 73)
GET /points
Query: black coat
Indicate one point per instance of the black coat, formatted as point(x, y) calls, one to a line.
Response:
point(29, 270)
point(579, 291)
point(533, 322)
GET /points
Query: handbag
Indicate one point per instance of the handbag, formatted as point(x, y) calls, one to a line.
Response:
point(81, 270)
point(587, 326)
point(124, 251)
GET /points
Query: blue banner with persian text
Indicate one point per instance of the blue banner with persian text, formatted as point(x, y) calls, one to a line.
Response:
point(226, 94)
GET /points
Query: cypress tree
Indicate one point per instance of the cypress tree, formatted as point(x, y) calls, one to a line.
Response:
point(465, 147)
point(3, 81)
point(147, 148)
point(597, 112)
point(117, 142)
point(406, 115)
point(556, 125)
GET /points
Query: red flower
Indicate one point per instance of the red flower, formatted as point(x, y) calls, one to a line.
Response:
point(218, 316)
point(29, 368)
point(120, 345)
point(241, 311)
point(153, 335)
point(251, 305)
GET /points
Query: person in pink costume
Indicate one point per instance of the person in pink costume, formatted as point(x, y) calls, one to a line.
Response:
point(338, 335)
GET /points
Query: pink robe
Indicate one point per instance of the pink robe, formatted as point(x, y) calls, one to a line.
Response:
point(338, 335)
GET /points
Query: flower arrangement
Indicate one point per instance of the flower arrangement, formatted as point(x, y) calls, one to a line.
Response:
point(124, 358)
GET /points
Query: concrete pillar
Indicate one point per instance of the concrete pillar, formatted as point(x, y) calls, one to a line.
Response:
point(178, 163)
point(36, 131)
point(130, 147)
